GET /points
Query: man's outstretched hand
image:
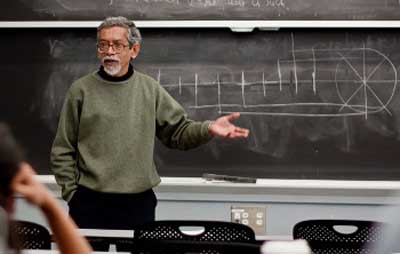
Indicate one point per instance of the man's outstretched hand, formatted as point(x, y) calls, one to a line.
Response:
point(222, 127)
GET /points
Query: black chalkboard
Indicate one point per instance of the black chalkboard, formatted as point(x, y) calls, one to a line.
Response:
point(28, 10)
point(319, 103)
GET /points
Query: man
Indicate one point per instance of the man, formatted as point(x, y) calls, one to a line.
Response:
point(102, 155)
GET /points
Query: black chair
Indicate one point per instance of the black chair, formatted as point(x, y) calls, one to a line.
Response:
point(339, 236)
point(30, 235)
point(178, 237)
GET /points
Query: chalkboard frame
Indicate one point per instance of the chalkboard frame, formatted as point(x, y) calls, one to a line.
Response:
point(202, 10)
point(185, 168)
point(234, 25)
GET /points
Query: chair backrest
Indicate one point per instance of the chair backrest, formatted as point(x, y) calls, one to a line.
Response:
point(209, 231)
point(338, 236)
point(206, 237)
point(31, 235)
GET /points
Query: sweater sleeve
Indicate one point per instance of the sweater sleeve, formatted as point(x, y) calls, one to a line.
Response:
point(174, 129)
point(63, 157)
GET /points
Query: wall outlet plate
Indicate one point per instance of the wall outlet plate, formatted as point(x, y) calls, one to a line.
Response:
point(252, 216)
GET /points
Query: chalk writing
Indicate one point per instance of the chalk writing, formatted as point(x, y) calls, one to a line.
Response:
point(220, 3)
point(356, 90)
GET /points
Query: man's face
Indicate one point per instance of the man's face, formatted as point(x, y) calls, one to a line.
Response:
point(113, 50)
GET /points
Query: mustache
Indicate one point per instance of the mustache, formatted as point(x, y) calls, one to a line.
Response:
point(112, 58)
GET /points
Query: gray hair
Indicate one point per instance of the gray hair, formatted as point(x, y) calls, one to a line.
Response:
point(134, 35)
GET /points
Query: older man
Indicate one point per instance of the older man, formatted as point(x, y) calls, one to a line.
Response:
point(102, 155)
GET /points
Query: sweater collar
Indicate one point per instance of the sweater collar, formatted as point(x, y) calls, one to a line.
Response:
point(107, 77)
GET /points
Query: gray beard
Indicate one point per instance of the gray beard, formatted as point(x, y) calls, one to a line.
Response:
point(113, 71)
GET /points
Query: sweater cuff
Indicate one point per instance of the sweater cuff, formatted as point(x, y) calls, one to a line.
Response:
point(205, 132)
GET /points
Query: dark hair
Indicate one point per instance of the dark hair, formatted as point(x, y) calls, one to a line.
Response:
point(10, 158)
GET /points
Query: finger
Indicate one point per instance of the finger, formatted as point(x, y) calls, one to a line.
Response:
point(239, 133)
point(233, 116)
point(246, 133)
point(18, 180)
point(22, 189)
point(27, 168)
point(242, 131)
point(23, 171)
point(230, 135)
point(236, 135)
point(23, 176)
point(28, 193)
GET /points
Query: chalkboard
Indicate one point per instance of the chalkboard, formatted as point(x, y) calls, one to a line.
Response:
point(318, 103)
point(29, 10)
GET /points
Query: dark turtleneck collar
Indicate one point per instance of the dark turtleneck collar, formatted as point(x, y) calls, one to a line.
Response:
point(107, 77)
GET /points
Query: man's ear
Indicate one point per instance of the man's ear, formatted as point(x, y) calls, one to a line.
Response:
point(135, 50)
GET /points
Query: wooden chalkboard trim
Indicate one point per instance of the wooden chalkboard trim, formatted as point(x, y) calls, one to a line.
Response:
point(234, 25)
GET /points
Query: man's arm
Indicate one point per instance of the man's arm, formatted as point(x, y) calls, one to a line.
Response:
point(63, 157)
point(62, 226)
point(175, 130)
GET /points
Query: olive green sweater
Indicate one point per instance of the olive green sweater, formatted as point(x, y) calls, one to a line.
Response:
point(106, 133)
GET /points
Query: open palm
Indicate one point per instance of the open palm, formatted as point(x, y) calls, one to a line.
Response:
point(222, 127)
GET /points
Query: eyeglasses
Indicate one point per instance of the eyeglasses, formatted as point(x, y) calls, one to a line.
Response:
point(117, 47)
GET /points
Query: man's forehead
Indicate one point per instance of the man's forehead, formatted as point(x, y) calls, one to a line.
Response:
point(114, 33)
